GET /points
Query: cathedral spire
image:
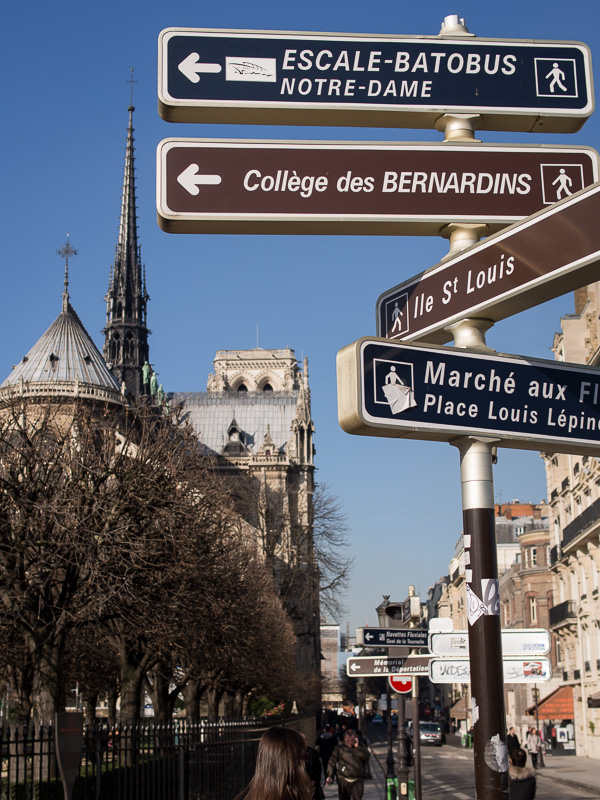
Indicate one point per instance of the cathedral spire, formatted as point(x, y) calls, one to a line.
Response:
point(126, 332)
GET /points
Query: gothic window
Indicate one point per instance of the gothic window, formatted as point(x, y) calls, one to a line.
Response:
point(242, 387)
point(128, 345)
point(115, 347)
point(267, 387)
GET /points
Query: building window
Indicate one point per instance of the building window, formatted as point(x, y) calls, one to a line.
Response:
point(533, 610)
point(533, 557)
point(242, 387)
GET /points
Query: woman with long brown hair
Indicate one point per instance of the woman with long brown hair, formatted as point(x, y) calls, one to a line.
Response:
point(280, 768)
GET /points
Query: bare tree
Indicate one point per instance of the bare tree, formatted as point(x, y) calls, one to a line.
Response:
point(330, 531)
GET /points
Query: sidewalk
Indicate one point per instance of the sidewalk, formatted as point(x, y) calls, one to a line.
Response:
point(577, 771)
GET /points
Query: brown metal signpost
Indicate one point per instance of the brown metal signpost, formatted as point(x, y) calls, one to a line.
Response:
point(237, 186)
point(550, 253)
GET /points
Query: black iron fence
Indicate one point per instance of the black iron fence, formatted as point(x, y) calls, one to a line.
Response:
point(148, 761)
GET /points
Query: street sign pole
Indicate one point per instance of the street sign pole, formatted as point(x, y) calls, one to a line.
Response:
point(483, 613)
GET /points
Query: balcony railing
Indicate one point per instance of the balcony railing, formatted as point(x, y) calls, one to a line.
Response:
point(584, 520)
point(562, 612)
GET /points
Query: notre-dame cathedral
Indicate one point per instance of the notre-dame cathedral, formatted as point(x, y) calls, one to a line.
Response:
point(253, 420)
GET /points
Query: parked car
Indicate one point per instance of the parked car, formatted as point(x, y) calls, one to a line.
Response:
point(430, 733)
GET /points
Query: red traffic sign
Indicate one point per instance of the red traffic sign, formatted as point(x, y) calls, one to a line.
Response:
point(298, 187)
point(550, 253)
point(401, 683)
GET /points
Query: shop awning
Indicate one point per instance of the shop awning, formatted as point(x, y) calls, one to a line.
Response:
point(557, 705)
point(460, 709)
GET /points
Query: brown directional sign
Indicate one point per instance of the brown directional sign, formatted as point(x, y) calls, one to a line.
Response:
point(370, 666)
point(552, 252)
point(237, 186)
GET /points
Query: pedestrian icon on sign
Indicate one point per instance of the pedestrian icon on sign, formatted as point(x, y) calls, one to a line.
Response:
point(397, 316)
point(563, 184)
point(556, 77)
point(560, 181)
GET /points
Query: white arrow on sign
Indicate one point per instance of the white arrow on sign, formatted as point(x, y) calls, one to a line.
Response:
point(190, 179)
point(368, 636)
point(191, 66)
point(354, 667)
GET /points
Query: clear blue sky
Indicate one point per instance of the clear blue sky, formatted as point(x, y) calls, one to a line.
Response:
point(66, 65)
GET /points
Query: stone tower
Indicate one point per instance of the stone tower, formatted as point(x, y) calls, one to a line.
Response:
point(126, 332)
point(255, 421)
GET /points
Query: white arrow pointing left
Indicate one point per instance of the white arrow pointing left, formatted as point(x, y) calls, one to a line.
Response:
point(368, 636)
point(190, 179)
point(191, 66)
point(354, 667)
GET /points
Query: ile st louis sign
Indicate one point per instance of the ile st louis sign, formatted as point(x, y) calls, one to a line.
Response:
point(442, 393)
point(552, 252)
point(254, 186)
point(283, 77)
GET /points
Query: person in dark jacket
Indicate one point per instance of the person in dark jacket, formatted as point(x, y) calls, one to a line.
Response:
point(313, 767)
point(522, 778)
point(512, 741)
point(325, 744)
point(348, 763)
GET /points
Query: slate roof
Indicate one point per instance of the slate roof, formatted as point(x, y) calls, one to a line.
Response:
point(65, 354)
point(211, 414)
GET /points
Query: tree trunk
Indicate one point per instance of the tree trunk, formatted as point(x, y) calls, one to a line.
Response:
point(48, 688)
point(192, 692)
point(228, 699)
point(113, 696)
point(213, 697)
point(238, 704)
point(90, 702)
point(163, 699)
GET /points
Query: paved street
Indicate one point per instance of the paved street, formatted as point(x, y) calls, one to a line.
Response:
point(448, 772)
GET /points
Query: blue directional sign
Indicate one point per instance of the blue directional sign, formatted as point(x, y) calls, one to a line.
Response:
point(279, 77)
point(420, 392)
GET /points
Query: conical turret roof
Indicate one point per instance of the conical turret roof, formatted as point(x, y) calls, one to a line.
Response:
point(65, 361)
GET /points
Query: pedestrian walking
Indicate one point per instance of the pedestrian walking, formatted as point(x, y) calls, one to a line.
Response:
point(280, 772)
point(512, 741)
point(325, 744)
point(533, 746)
point(522, 778)
point(347, 763)
point(314, 770)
